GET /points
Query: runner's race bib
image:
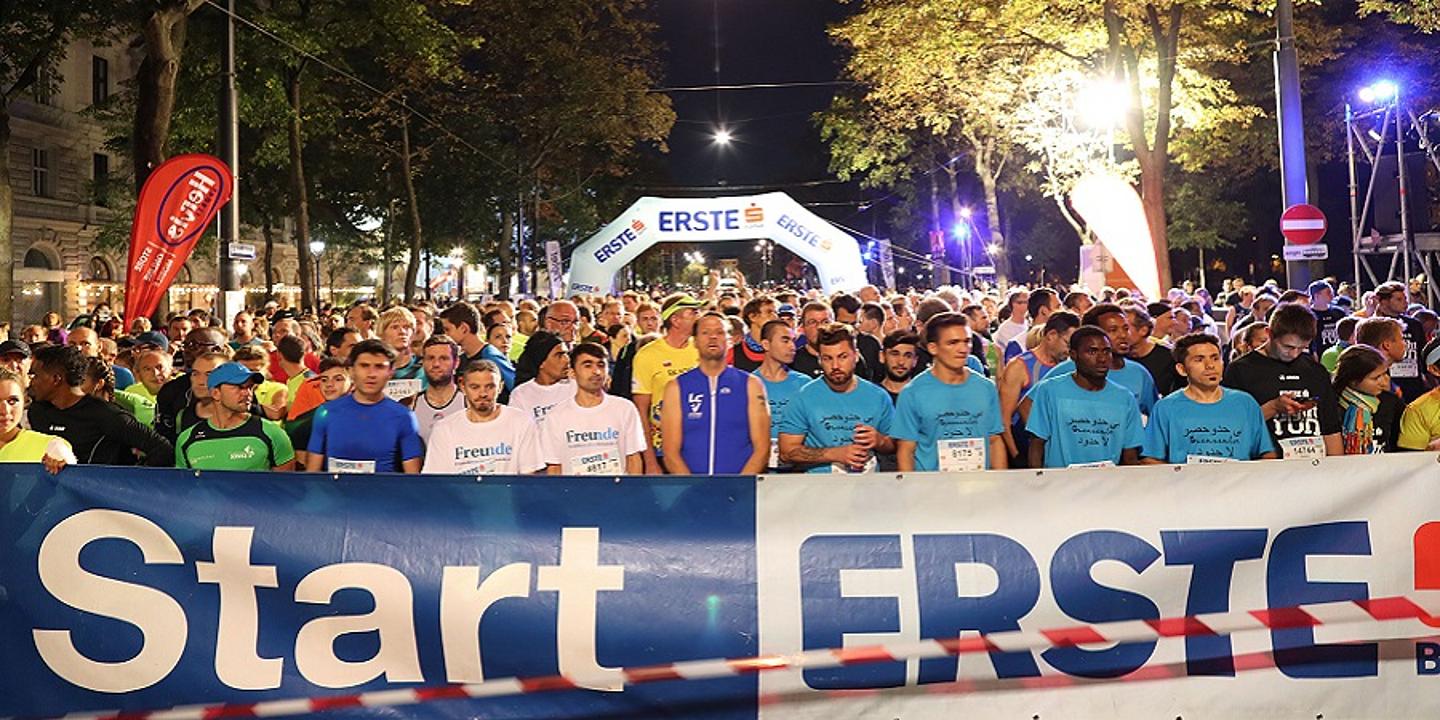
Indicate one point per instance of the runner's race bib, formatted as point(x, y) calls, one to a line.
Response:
point(1302, 447)
point(605, 462)
point(1101, 464)
point(1207, 460)
point(774, 453)
point(961, 454)
point(398, 390)
point(350, 467)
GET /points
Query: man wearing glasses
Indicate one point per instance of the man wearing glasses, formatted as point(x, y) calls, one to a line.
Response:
point(1291, 386)
point(562, 318)
point(176, 395)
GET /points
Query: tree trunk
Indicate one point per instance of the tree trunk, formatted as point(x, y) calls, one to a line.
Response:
point(7, 216)
point(1152, 196)
point(267, 229)
point(939, 265)
point(416, 239)
point(506, 253)
point(992, 221)
point(164, 36)
point(300, 200)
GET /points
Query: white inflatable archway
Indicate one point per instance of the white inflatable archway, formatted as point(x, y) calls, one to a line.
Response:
point(651, 220)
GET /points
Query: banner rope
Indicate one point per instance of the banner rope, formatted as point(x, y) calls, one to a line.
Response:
point(1329, 614)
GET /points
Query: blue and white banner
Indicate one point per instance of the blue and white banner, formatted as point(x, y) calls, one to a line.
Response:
point(134, 589)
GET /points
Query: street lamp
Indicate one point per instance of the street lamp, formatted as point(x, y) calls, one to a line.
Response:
point(722, 137)
point(373, 274)
point(317, 248)
point(1103, 104)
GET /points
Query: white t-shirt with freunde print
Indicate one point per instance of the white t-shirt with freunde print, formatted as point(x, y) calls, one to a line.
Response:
point(536, 400)
point(594, 440)
point(506, 445)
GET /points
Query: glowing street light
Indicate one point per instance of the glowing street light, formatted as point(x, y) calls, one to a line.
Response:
point(1103, 104)
point(994, 249)
point(966, 212)
point(722, 136)
point(373, 273)
point(1381, 91)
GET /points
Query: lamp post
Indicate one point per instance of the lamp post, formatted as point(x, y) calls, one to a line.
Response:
point(317, 248)
point(766, 248)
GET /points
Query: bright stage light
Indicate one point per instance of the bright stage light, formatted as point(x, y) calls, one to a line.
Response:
point(1381, 91)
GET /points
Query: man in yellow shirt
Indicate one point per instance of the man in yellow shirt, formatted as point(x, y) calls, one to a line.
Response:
point(1420, 423)
point(660, 362)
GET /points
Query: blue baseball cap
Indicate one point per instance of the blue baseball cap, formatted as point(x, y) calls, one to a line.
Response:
point(153, 337)
point(785, 309)
point(233, 373)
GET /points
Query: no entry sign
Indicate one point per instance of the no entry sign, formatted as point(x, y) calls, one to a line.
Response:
point(1303, 224)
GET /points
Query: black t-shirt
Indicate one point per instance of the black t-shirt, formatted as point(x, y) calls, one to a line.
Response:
point(1161, 364)
point(1265, 378)
point(745, 359)
point(1408, 373)
point(102, 433)
point(1327, 324)
point(1387, 422)
point(870, 349)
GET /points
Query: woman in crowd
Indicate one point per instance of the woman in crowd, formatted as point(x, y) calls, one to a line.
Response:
point(1370, 412)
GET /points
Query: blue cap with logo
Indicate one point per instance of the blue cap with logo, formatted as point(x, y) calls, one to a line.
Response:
point(233, 373)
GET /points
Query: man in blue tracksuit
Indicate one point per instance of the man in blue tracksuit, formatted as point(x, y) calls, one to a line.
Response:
point(714, 419)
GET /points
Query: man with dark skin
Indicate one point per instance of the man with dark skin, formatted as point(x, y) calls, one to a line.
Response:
point(1080, 418)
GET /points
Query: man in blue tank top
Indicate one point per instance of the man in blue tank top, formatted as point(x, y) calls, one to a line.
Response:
point(714, 419)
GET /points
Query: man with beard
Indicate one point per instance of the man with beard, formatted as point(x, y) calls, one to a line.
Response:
point(1079, 417)
point(898, 357)
point(438, 359)
point(1124, 372)
point(233, 438)
point(839, 422)
point(487, 438)
point(714, 419)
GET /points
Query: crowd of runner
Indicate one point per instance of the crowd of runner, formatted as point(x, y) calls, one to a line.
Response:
point(735, 380)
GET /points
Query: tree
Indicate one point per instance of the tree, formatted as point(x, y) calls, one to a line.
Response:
point(34, 34)
point(162, 26)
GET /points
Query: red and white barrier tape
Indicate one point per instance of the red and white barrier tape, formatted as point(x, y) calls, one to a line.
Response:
point(1347, 612)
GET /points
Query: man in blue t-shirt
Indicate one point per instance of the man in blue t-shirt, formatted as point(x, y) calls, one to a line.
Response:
point(948, 418)
point(781, 383)
point(838, 422)
point(366, 432)
point(1079, 418)
point(1124, 372)
point(1203, 422)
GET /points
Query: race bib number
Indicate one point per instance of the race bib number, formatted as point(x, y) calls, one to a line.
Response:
point(1302, 447)
point(961, 454)
point(605, 462)
point(398, 390)
point(350, 467)
point(1207, 460)
point(870, 466)
point(482, 467)
point(1101, 464)
point(774, 452)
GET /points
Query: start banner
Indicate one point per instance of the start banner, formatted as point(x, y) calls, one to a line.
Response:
point(138, 590)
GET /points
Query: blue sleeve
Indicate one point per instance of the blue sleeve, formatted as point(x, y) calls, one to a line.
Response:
point(975, 364)
point(792, 419)
point(886, 419)
point(1263, 442)
point(411, 446)
point(1147, 403)
point(996, 424)
point(1134, 429)
point(507, 375)
point(318, 427)
point(1156, 444)
point(907, 423)
point(1039, 423)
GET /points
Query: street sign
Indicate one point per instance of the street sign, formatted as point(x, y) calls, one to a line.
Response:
point(984, 269)
point(1306, 252)
point(1303, 225)
point(242, 251)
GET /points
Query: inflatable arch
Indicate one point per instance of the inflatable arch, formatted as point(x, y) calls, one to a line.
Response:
point(651, 220)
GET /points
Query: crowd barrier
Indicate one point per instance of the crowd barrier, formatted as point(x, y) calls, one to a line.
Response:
point(1294, 588)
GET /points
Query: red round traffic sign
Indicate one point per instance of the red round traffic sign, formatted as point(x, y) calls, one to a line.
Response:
point(1303, 224)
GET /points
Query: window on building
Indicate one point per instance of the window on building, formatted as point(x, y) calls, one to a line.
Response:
point(41, 184)
point(99, 80)
point(42, 92)
point(101, 173)
point(35, 258)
